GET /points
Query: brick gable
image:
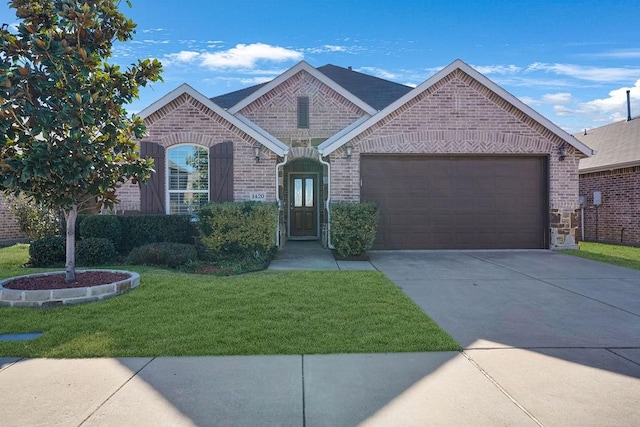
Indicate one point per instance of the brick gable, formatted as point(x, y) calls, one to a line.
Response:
point(276, 111)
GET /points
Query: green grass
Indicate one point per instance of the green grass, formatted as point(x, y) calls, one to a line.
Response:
point(624, 256)
point(179, 314)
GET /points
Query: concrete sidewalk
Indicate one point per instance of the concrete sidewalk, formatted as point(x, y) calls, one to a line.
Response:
point(310, 255)
point(447, 388)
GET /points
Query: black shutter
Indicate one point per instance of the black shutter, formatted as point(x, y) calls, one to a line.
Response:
point(221, 172)
point(152, 192)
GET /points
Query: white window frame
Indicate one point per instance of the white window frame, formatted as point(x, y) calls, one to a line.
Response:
point(168, 192)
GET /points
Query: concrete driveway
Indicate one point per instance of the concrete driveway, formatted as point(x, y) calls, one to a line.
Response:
point(559, 335)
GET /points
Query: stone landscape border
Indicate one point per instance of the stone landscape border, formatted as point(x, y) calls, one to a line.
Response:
point(66, 296)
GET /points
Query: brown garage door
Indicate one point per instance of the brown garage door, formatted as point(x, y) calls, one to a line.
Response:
point(457, 202)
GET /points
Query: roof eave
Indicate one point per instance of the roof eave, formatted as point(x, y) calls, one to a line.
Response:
point(302, 66)
point(609, 167)
point(271, 143)
point(459, 64)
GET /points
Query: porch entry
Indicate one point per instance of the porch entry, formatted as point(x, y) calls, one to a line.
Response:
point(303, 206)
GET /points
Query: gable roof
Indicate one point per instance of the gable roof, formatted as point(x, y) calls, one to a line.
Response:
point(330, 146)
point(617, 144)
point(374, 91)
point(252, 130)
point(300, 66)
point(230, 99)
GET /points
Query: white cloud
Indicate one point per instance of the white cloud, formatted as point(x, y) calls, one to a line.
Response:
point(497, 69)
point(246, 56)
point(557, 98)
point(242, 56)
point(255, 80)
point(609, 109)
point(378, 72)
point(331, 48)
point(184, 56)
point(632, 53)
point(152, 30)
point(581, 72)
point(529, 100)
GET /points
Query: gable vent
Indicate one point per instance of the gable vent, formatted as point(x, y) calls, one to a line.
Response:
point(303, 112)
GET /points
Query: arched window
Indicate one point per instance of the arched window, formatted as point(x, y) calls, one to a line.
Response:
point(187, 178)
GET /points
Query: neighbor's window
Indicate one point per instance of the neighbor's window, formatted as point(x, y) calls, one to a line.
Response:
point(303, 112)
point(188, 178)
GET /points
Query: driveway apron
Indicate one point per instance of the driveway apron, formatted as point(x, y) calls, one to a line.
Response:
point(558, 335)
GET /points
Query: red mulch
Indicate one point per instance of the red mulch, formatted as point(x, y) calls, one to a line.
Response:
point(56, 281)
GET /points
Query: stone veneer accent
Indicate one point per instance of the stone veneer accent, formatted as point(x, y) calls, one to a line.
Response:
point(58, 297)
point(617, 220)
point(458, 115)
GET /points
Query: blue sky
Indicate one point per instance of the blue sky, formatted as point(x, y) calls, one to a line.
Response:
point(570, 60)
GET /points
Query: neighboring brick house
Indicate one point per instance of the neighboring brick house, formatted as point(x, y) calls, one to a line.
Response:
point(615, 173)
point(9, 229)
point(456, 162)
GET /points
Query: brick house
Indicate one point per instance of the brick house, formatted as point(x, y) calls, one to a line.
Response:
point(614, 173)
point(456, 162)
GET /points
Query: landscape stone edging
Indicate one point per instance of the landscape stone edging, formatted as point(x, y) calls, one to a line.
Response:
point(66, 296)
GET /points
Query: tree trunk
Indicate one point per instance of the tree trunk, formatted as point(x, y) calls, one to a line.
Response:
point(71, 216)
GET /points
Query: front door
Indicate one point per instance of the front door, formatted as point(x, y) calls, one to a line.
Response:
point(303, 206)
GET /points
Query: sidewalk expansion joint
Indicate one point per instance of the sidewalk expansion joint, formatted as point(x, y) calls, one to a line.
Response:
point(116, 391)
point(502, 390)
point(304, 411)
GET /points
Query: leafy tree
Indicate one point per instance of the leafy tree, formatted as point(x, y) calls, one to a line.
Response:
point(67, 138)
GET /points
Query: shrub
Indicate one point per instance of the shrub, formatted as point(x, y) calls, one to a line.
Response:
point(164, 254)
point(353, 227)
point(47, 252)
point(35, 220)
point(140, 230)
point(237, 229)
point(101, 227)
point(95, 251)
point(79, 219)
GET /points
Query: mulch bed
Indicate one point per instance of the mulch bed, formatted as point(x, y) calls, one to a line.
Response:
point(56, 281)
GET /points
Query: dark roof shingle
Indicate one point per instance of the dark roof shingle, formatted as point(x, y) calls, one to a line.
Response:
point(376, 92)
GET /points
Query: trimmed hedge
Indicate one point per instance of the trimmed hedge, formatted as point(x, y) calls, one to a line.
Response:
point(48, 251)
point(101, 227)
point(139, 230)
point(163, 254)
point(51, 252)
point(95, 251)
point(237, 229)
point(353, 227)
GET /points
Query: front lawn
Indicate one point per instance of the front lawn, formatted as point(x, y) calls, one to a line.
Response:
point(624, 256)
point(179, 314)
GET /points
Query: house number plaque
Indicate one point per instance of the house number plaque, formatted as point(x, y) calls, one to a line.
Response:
point(258, 196)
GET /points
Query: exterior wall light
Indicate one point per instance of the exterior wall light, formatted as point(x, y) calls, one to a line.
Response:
point(562, 150)
point(349, 148)
point(256, 152)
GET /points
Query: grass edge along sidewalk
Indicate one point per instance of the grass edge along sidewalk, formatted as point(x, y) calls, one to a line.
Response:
point(180, 314)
